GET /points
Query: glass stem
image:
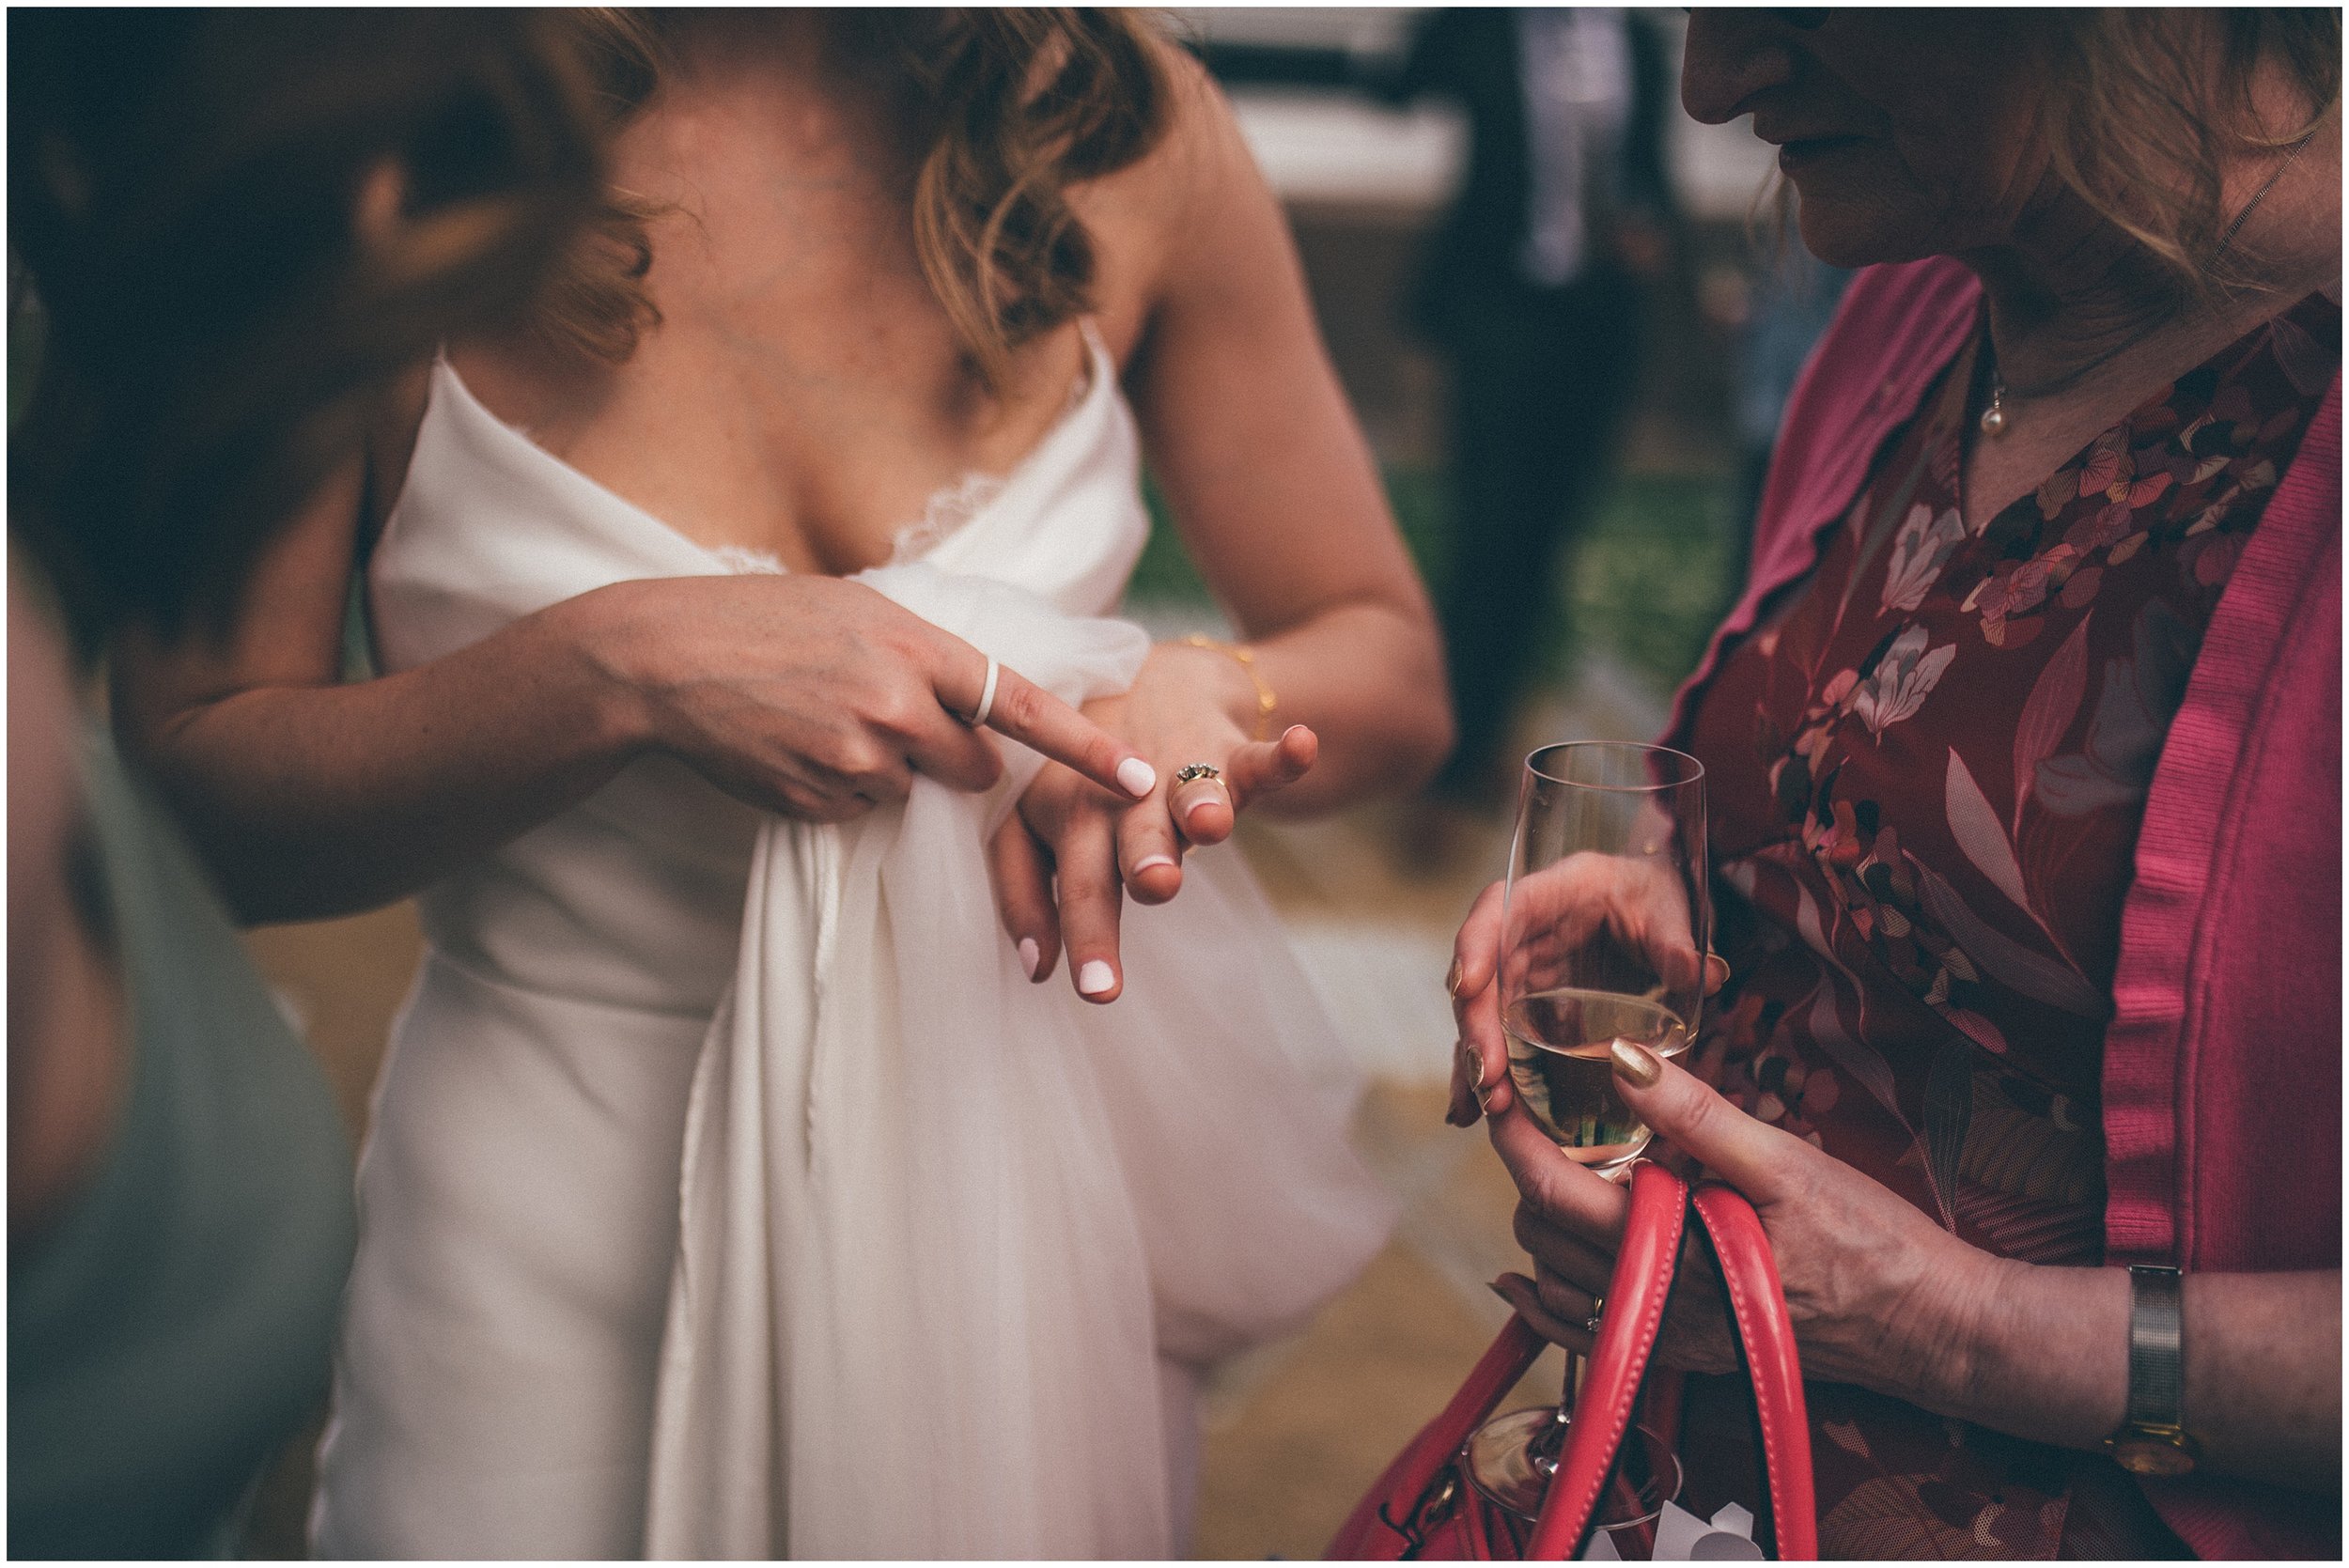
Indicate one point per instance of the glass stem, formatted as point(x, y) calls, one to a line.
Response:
point(1550, 1443)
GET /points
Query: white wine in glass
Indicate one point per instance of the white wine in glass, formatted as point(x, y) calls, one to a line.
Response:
point(1603, 927)
point(1605, 924)
point(1560, 1063)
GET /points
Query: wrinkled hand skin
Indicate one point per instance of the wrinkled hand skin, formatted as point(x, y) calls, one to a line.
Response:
point(1878, 1295)
point(1634, 900)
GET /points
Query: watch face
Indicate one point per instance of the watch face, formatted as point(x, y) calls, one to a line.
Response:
point(2156, 1457)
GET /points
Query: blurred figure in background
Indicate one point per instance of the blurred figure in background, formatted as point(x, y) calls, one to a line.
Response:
point(227, 231)
point(1533, 289)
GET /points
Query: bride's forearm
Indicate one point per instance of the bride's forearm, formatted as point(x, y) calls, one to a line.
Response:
point(1368, 678)
point(309, 801)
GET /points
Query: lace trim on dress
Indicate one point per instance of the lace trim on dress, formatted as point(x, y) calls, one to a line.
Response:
point(952, 507)
point(740, 559)
point(949, 509)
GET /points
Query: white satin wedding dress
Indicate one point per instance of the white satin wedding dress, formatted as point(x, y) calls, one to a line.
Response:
point(731, 1191)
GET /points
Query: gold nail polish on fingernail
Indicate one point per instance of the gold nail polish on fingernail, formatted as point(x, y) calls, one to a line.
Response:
point(1716, 972)
point(1635, 1064)
point(1452, 978)
point(1476, 1065)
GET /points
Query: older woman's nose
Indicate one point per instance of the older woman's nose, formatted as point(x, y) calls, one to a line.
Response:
point(1732, 56)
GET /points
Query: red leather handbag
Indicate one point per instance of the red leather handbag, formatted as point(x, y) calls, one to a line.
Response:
point(1424, 1506)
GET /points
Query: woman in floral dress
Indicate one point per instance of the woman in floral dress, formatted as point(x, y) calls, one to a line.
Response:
point(2023, 756)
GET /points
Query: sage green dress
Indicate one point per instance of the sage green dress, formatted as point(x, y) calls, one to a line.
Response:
point(169, 1329)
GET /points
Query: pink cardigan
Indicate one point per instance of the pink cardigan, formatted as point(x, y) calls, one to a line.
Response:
point(2223, 1092)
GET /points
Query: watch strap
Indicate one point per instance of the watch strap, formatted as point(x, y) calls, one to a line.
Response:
point(2152, 1440)
point(2157, 1347)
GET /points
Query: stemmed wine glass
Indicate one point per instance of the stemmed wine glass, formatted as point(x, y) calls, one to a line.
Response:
point(1605, 925)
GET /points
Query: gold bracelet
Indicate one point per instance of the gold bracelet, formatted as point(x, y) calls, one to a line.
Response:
point(1245, 657)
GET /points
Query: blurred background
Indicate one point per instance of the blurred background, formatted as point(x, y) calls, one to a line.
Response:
point(1522, 253)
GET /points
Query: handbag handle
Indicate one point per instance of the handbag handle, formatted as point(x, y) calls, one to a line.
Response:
point(1636, 1296)
point(1758, 1303)
point(1638, 1292)
point(1370, 1533)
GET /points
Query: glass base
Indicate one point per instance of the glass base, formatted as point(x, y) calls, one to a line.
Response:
point(1512, 1458)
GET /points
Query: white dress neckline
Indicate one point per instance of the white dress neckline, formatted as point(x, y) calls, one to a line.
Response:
point(949, 509)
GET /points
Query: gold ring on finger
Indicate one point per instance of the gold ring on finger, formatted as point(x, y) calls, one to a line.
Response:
point(1191, 772)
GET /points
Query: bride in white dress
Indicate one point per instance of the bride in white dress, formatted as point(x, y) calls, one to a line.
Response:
point(738, 1187)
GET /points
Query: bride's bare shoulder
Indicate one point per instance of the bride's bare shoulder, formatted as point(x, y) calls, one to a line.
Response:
point(1142, 217)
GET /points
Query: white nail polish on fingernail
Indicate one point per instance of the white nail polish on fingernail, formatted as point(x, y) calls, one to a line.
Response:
point(1138, 777)
point(1143, 865)
point(1095, 978)
point(1030, 956)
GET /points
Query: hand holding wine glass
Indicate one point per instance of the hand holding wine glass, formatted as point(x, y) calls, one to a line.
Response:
point(1600, 931)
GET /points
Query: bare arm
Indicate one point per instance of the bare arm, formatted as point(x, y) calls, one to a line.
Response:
point(1275, 494)
point(309, 797)
point(805, 695)
point(1883, 1297)
point(2048, 1357)
point(1271, 483)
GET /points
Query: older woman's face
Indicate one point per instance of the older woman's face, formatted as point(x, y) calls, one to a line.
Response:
point(1907, 132)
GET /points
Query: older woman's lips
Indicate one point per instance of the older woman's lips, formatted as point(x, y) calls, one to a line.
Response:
point(1811, 149)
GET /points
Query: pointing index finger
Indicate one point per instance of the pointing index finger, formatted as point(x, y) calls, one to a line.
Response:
point(1025, 712)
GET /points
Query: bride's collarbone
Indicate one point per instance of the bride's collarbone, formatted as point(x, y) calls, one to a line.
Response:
point(823, 472)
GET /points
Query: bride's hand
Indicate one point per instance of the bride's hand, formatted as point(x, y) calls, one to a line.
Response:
point(820, 698)
point(1065, 861)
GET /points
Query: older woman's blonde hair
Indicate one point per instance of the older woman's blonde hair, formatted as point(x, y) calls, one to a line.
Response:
point(2145, 108)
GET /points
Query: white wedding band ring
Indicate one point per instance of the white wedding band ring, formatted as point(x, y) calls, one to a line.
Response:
point(987, 694)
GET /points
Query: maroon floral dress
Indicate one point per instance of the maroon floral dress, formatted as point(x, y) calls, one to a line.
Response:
point(1927, 773)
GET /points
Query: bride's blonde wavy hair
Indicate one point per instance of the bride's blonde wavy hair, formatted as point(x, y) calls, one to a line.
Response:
point(1004, 110)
